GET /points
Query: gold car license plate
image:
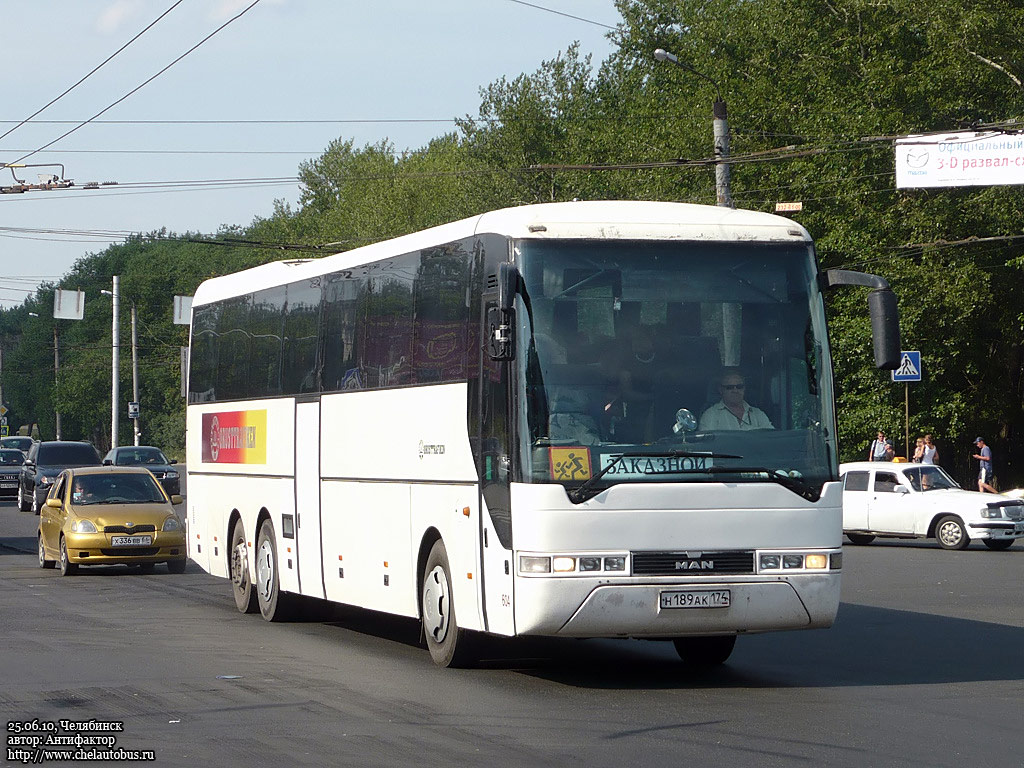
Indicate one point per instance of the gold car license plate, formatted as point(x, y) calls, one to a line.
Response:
point(696, 598)
point(131, 541)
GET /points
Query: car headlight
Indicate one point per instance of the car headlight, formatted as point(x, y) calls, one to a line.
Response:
point(170, 475)
point(83, 526)
point(991, 512)
point(171, 524)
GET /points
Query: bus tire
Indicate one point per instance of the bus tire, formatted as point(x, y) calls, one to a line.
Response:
point(447, 642)
point(951, 534)
point(238, 570)
point(860, 538)
point(705, 651)
point(274, 605)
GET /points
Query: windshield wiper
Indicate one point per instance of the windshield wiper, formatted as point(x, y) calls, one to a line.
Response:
point(589, 491)
point(797, 486)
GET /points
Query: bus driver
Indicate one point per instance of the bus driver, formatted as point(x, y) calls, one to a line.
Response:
point(733, 411)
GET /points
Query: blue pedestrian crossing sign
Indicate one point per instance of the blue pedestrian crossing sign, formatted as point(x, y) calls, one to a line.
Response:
point(909, 368)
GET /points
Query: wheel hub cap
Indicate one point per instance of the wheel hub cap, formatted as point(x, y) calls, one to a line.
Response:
point(950, 533)
point(265, 570)
point(239, 565)
point(436, 604)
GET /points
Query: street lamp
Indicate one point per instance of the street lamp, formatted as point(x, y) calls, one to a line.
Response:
point(721, 130)
point(115, 393)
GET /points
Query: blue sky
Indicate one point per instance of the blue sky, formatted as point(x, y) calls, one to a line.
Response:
point(374, 62)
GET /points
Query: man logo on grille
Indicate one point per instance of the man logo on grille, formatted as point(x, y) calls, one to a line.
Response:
point(695, 565)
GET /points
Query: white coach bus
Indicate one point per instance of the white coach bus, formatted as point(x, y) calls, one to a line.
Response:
point(587, 419)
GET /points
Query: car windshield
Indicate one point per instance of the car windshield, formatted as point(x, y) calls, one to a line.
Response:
point(672, 361)
point(929, 478)
point(131, 456)
point(116, 489)
point(9, 456)
point(68, 454)
point(21, 443)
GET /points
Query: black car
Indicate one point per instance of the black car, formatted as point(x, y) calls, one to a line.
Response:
point(22, 442)
point(152, 459)
point(45, 461)
point(11, 460)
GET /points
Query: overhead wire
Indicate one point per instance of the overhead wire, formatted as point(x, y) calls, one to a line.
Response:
point(93, 71)
point(143, 84)
point(561, 13)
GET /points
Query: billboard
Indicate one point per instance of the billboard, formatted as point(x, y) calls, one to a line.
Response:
point(967, 158)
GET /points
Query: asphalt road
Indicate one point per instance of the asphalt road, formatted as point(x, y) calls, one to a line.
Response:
point(923, 668)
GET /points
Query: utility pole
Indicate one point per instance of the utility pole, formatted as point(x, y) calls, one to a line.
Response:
point(720, 126)
point(135, 375)
point(115, 389)
point(56, 381)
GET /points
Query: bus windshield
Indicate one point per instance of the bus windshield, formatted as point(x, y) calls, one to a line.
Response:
point(672, 362)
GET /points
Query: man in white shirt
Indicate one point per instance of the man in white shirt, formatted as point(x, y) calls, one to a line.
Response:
point(733, 411)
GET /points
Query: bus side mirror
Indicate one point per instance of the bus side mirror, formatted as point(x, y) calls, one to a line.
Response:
point(500, 325)
point(885, 316)
point(885, 328)
point(508, 284)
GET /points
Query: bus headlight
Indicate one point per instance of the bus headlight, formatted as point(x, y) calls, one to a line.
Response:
point(534, 564)
point(571, 564)
point(799, 561)
point(816, 562)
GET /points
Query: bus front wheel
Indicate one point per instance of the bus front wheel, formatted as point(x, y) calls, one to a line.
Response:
point(238, 568)
point(274, 605)
point(705, 651)
point(447, 643)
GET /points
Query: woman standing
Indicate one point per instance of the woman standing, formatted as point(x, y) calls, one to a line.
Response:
point(918, 456)
point(930, 455)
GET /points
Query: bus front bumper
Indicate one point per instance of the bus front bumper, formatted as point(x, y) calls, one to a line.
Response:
point(581, 608)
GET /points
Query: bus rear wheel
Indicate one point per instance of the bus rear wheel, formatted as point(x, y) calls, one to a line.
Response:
point(447, 642)
point(705, 651)
point(238, 568)
point(274, 605)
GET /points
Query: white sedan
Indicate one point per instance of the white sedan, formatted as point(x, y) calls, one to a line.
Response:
point(903, 500)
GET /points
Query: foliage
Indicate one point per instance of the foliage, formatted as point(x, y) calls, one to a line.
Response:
point(816, 90)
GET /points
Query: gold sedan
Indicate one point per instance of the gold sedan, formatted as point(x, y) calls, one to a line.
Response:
point(110, 515)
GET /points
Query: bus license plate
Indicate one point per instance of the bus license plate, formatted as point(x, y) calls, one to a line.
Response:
point(131, 541)
point(696, 598)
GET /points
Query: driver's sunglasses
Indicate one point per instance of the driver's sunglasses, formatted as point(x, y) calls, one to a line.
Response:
point(734, 386)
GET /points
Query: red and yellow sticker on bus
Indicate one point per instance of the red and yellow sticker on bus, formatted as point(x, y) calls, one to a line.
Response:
point(571, 463)
point(235, 437)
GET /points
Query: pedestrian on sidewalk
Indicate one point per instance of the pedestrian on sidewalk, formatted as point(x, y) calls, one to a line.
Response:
point(881, 449)
point(984, 457)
